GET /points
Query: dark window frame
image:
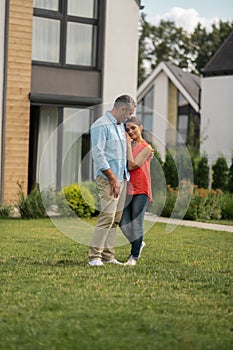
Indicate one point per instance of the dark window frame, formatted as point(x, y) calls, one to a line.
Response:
point(64, 18)
point(34, 132)
point(193, 118)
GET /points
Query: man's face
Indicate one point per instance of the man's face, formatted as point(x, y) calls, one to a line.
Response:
point(126, 113)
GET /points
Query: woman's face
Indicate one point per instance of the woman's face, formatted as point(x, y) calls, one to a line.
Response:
point(134, 131)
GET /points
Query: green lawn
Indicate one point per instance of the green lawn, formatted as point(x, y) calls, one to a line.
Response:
point(178, 297)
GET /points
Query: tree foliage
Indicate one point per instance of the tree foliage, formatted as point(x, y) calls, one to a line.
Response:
point(202, 173)
point(170, 43)
point(220, 174)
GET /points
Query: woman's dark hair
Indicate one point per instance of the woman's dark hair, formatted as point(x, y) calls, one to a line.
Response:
point(133, 120)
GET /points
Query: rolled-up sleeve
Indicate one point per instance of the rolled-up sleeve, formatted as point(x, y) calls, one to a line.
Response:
point(98, 145)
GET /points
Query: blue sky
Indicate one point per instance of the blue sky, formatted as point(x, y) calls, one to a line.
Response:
point(187, 12)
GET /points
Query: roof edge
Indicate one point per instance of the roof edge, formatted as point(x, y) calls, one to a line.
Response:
point(217, 52)
point(146, 85)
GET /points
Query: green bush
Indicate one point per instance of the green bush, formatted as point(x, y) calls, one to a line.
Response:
point(91, 186)
point(220, 174)
point(204, 204)
point(170, 202)
point(227, 206)
point(170, 171)
point(31, 206)
point(79, 199)
point(230, 178)
point(202, 173)
point(5, 211)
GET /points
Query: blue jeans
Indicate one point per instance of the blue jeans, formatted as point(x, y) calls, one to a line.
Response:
point(132, 221)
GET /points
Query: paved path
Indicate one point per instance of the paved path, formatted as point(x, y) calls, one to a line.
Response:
point(205, 225)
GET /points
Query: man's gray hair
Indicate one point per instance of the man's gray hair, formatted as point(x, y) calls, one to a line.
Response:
point(124, 100)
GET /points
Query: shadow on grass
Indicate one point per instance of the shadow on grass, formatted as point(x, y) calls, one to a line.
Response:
point(52, 263)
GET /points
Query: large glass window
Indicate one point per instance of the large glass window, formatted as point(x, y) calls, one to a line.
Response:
point(182, 128)
point(47, 147)
point(63, 155)
point(82, 8)
point(47, 4)
point(80, 39)
point(46, 39)
point(188, 124)
point(65, 32)
point(145, 113)
point(76, 123)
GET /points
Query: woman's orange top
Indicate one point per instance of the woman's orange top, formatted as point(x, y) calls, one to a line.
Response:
point(140, 180)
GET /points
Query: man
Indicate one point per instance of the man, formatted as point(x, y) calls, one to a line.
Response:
point(109, 154)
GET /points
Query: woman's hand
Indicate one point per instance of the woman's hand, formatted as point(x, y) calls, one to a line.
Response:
point(128, 138)
point(152, 151)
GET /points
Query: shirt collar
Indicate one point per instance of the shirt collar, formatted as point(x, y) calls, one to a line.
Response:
point(112, 118)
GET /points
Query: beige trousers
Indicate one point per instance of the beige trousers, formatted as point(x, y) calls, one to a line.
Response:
point(102, 246)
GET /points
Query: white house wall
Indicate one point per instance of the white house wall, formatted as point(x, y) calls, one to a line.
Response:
point(121, 49)
point(2, 34)
point(160, 115)
point(217, 117)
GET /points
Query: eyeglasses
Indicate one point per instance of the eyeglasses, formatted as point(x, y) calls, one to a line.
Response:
point(133, 127)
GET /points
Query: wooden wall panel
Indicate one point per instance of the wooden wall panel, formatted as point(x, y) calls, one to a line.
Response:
point(17, 98)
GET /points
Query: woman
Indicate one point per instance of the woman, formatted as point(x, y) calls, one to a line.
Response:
point(139, 154)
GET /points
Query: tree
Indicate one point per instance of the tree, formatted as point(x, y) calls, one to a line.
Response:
point(170, 170)
point(204, 44)
point(220, 174)
point(170, 43)
point(202, 173)
point(230, 178)
point(144, 33)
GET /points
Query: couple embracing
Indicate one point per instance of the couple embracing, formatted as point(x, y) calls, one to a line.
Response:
point(122, 173)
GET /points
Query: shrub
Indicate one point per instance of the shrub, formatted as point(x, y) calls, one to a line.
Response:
point(170, 171)
point(5, 211)
point(31, 206)
point(79, 199)
point(170, 201)
point(202, 173)
point(227, 206)
point(204, 204)
point(230, 178)
point(220, 174)
point(91, 186)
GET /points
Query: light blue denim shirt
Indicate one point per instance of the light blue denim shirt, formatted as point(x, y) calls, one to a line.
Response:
point(108, 148)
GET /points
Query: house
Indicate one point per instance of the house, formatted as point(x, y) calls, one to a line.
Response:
point(169, 107)
point(217, 104)
point(59, 61)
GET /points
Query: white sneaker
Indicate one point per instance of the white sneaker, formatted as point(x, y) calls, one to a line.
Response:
point(131, 262)
point(113, 261)
point(96, 263)
point(142, 246)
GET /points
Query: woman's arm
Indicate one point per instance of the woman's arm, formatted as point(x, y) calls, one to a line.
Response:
point(141, 157)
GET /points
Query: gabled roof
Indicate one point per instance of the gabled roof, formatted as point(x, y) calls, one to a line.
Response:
point(222, 61)
point(188, 84)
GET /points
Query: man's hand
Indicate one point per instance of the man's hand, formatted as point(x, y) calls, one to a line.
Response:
point(115, 188)
point(114, 184)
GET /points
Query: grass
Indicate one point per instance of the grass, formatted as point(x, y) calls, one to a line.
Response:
point(179, 296)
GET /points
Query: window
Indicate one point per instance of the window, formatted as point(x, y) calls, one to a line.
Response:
point(65, 32)
point(188, 124)
point(145, 113)
point(182, 128)
point(82, 8)
point(80, 39)
point(46, 37)
point(62, 151)
point(46, 4)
